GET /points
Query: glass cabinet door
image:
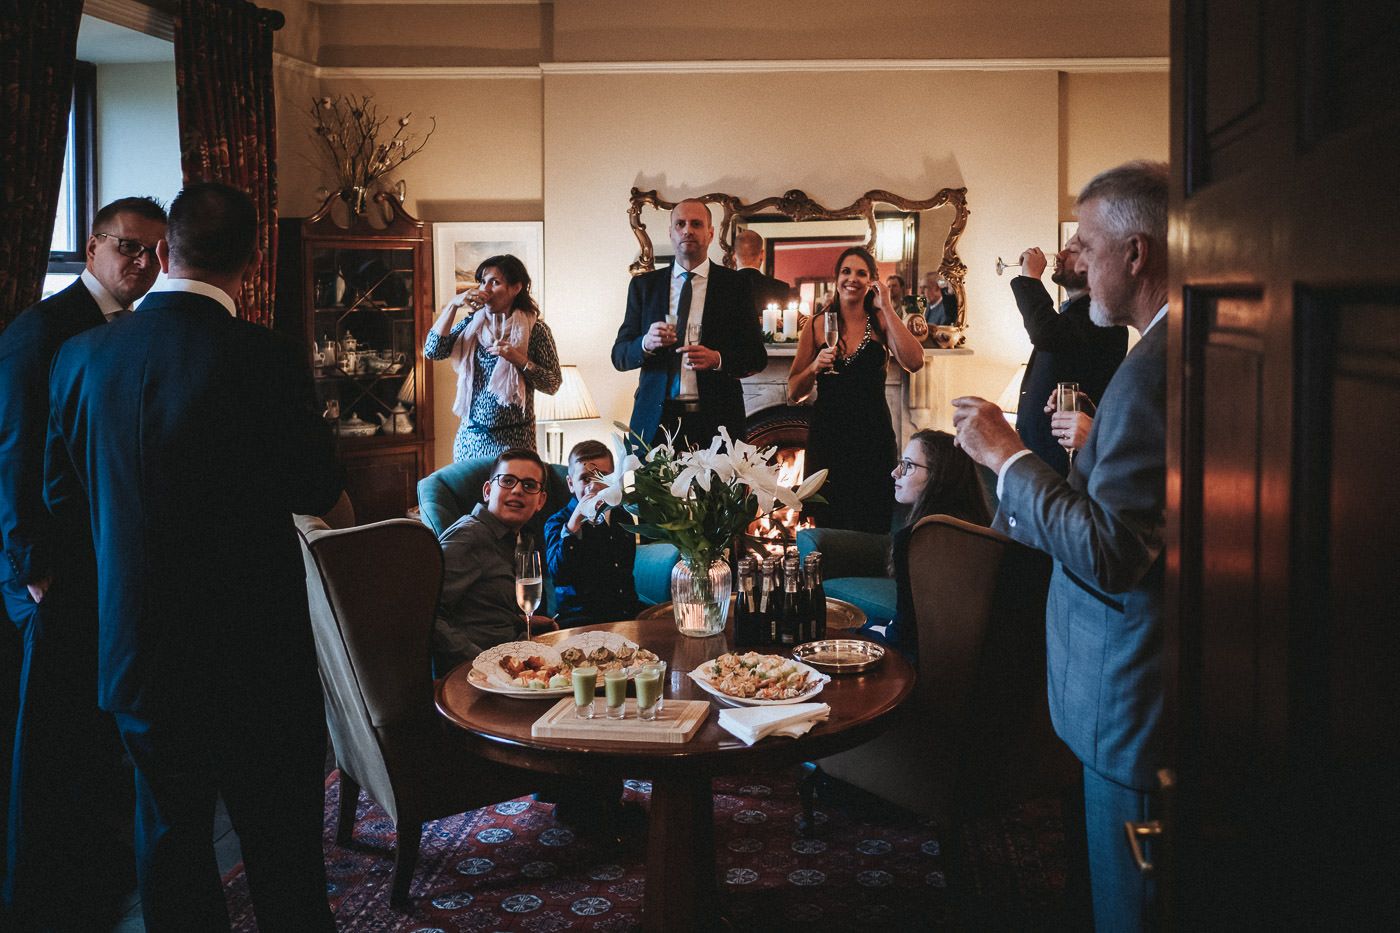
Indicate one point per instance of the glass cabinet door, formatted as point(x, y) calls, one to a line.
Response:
point(366, 344)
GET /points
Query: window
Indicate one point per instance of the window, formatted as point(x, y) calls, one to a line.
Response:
point(77, 195)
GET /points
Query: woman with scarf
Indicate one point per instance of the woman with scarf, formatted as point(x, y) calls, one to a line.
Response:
point(502, 352)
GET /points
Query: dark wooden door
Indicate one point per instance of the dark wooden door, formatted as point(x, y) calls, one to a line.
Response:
point(1283, 635)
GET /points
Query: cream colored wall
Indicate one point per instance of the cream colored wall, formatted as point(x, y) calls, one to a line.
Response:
point(568, 147)
point(999, 140)
point(1109, 119)
point(434, 34)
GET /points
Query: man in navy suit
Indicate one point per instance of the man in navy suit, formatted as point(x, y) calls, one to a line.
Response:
point(692, 388)
point(1068, 347)
point(67, 758)
point(748, 256)
point(1104, 528)
point(193, 435)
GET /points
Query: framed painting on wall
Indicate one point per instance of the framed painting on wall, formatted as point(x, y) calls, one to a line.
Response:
point(458, 248)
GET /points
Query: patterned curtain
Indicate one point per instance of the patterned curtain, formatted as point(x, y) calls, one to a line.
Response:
point(228, 124)
point(38, 50)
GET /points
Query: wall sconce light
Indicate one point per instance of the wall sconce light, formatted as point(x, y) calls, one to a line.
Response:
point(571, 403)
point(889, 239)
point(1010, 399)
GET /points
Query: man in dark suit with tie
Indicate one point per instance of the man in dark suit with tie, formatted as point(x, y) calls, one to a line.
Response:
point(692, 388)
point(1068, 347)
point(194, 437)
point(67, 757)
point(748, 256)
point(1104, 525)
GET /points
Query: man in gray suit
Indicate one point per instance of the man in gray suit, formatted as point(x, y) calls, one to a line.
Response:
point(1103, 525)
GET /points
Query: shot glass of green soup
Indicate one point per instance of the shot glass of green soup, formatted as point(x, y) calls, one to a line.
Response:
point(648, 693)
point(585, 686)
point(615, 692)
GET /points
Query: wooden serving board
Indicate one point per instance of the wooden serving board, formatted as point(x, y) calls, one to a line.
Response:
point(677, 722)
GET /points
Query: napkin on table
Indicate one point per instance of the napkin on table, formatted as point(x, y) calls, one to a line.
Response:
point(752, 723)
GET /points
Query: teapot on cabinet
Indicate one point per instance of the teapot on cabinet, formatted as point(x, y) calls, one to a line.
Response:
point(398, 421)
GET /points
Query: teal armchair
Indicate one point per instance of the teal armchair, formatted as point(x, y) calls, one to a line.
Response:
point(855, 567)
point(451, 492)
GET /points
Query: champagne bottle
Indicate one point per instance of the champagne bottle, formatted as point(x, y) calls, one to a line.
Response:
point(790, 622)
point(746, 607)
point(769, 597)
point(816, 596)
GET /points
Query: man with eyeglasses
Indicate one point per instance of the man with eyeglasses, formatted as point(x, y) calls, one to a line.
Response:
point(477, 607)
point(68, 753)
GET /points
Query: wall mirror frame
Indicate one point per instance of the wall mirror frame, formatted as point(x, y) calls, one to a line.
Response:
point(795, 205)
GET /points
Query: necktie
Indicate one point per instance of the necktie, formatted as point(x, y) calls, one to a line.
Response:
point(682, 319)
point(120, 313)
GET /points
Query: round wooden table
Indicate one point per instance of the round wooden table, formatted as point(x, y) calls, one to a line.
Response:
point(681, 888)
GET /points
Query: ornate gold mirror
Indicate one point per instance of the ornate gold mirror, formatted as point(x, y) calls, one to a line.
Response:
point(910, 238)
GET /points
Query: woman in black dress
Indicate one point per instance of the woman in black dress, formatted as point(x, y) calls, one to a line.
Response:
point(851, 435)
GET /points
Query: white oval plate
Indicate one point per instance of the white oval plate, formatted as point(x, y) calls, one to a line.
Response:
point(489, 661)
point(480, 682)
point(703, 674)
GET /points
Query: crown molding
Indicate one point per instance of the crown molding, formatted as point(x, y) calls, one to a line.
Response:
point(136, 16)
point(387, 73)
point(1098, 65)
point(431, 2)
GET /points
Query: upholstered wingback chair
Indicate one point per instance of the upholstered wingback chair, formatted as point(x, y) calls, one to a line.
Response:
point(451, 492)
point(855, 567)
point(977, 730)
point(373, 590)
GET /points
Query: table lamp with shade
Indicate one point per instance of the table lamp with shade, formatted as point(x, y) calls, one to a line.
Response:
point(1010, 399)
point(571, 403)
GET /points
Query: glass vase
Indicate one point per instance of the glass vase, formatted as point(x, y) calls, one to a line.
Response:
point(700, 596)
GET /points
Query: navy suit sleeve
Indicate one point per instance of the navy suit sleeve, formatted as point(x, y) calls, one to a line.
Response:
point(627, 352)
point(26, 527)
point(1055, 332)
point(557, 548)
point(741, 346)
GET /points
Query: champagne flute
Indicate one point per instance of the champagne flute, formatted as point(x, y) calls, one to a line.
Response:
point(1067, 399)
point(831, 332)
point(529, 585)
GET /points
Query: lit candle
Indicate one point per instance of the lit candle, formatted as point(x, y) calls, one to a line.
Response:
point(790, 321)
point(770, 320)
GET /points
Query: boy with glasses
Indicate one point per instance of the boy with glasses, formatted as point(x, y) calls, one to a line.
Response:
point(477, 607)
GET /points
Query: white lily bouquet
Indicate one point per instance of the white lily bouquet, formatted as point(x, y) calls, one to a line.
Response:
point(700, 501)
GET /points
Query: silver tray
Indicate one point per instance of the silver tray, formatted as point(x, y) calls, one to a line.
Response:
point(840, 655)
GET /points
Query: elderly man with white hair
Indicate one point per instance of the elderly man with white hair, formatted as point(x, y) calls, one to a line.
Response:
point(1103, 525)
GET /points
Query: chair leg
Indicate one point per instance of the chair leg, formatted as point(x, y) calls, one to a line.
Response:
point(349, 804)
point(410, 833)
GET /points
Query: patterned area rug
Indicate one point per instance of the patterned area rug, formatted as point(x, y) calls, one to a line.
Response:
point(513, 867)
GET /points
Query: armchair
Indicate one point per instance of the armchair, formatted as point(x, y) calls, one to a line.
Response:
point(855, 567)
point(977, 730)
point(373, 590)
point(451, 492)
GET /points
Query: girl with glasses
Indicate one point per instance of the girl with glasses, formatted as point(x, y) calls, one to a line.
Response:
point(932, 477)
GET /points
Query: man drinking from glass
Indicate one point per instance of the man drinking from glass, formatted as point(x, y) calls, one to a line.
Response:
point(477, 607)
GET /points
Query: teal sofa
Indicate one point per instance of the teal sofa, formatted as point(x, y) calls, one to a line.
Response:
point(451, 492)
point(855, 567)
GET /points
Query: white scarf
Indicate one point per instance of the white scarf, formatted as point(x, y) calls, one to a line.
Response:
point(505, 382)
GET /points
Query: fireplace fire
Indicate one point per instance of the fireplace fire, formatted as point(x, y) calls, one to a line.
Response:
point(778, 529)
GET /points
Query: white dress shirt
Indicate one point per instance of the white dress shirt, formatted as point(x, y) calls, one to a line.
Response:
point(108, 305)
point(194, 286)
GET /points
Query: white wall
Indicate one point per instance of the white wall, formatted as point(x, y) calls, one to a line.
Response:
point(138, 135)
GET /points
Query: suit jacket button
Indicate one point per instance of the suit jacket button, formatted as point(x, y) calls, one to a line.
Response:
point(1011, 520)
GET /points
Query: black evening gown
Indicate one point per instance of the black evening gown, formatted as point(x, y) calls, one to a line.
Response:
point(851, 436)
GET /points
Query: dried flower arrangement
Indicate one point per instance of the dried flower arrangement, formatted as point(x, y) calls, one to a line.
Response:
point(349, 128)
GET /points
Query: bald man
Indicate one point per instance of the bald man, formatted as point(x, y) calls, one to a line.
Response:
point(690, 389)
point(748, 254)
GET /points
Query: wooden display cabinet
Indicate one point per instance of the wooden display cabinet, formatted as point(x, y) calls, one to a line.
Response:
point(358, 294)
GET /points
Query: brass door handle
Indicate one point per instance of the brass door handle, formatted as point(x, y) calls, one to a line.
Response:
point(1144, 830)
